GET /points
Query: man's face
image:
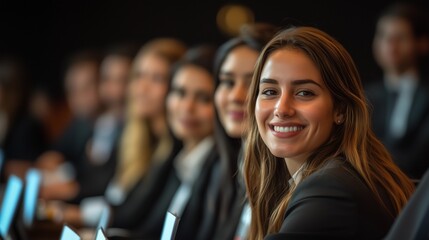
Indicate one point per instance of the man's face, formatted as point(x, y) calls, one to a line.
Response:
point(395, 46)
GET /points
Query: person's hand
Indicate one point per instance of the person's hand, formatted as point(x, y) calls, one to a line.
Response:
point(49, 161)
point(59, 191)
point(60, 212)
point(51, 210)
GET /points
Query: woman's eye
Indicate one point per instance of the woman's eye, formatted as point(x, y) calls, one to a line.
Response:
point(227, 83)
point(305, 93)
point(269, 92)
point(178, 91)
point(205, 98)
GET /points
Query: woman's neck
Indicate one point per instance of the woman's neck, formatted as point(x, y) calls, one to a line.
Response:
point(190, 144)
point(158, 126)
point(293, 164)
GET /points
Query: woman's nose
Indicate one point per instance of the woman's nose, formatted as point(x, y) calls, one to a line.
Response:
point(284, 107)
point(238, 93)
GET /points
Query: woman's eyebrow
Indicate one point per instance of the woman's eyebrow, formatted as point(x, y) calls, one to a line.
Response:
point(305, 81)
point(226, 73)
point(293, 83)
point(268, 80)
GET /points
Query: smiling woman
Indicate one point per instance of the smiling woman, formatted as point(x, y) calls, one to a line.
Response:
point(294, 109)
point(313, 167)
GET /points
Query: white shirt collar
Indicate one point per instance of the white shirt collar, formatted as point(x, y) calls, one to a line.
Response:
point(297, 176)
point(188, 165)
point(407, 81)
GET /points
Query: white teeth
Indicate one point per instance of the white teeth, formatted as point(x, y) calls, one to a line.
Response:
point(288, 129)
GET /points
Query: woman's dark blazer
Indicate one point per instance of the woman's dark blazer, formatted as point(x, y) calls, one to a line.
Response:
point(144, 211)
point(142, 198)
point(334, 203)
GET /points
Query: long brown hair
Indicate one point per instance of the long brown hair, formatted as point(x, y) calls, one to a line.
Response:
point(266, 176)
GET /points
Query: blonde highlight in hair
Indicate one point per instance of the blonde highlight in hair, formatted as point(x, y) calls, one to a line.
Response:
point(266, 176)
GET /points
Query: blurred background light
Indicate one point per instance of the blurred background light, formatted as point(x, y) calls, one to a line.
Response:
point(231, 17)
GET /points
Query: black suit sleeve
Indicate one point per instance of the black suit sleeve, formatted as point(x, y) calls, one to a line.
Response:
point(413, 221)
point(26, 139)
point(320, 207)
point(334, 203)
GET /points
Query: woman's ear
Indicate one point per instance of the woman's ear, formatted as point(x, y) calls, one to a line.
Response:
point(339, 119)
point(339, 115)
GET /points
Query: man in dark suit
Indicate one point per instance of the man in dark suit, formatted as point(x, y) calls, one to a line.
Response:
point(401, 101)
point(413, 221)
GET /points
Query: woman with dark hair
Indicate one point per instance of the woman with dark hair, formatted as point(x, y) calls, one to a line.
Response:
point(313, 167)
point(234, 64)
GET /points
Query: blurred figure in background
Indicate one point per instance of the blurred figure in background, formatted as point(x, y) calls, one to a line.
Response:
point(22, 136)
point(91, 149)
point(49, 106)
point(226, 214)
point(81, 80)
point(190, 112)
point(145, 140)
point(146, 144)
point(81, 84)
point(401, 100)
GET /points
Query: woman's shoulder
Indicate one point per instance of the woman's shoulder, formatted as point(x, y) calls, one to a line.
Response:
point(336, 176)
point(335, 202)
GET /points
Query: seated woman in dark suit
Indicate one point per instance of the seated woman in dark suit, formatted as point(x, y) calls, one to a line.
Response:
point(313, 167)
point(227, 214)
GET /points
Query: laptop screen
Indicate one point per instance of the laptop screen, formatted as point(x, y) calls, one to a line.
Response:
point(104, 218)
point(170, 226)
point(31, 193)
point(69, 234)
point(10, 204)
point(100, 234)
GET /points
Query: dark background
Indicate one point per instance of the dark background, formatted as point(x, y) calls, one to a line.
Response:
point(44, 33)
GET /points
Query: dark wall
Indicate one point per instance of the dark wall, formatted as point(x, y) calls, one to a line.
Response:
point(43, 34)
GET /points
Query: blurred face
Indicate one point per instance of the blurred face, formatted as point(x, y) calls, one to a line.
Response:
point(114, 75)
point(235, 77)
point(190, 105)
point(148, 86)
point(82, 90)
point(294, 109)
point(395, 47)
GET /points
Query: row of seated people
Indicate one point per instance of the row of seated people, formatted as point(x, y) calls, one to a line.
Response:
point(155, 147)
point(18, 220)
